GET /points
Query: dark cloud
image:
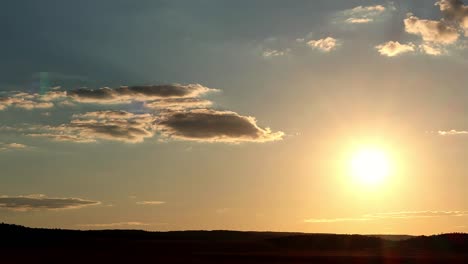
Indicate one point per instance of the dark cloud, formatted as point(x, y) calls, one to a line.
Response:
point(138, 93)
point(207, 125)
point(36, 202)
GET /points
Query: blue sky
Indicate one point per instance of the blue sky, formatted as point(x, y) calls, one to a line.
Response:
point(232, 115)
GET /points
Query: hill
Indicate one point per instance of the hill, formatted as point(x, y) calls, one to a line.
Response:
point(20, 244)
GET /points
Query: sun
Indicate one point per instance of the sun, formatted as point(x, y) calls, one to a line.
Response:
point(369, 166)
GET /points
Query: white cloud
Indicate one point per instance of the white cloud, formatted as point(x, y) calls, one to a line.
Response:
point(326, 44)
point(432, 49)
point(394, 48)
point(150, 202)
point(452, 132)
point(12, 146)
point(268, 53)
point(431, 30)
point(362, 14)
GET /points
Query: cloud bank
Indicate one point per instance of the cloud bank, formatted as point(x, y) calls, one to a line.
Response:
point(170, 111)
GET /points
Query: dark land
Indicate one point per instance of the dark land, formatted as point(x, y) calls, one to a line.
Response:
point(20, 244)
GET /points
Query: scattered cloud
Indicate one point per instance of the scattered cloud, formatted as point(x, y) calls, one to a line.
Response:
point(150, 202)
point(452, 132)
point(394, 48)
point(391, 215)
point(208, 125)
point(432, 49)
point(106, 125)
point(326, 44)
point(268, 53)
point(175, 111)
point(362, 14)
point(431, 30)
point(38, 202)
point(11, 146)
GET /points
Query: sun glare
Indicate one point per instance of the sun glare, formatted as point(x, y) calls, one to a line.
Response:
point(369, 166)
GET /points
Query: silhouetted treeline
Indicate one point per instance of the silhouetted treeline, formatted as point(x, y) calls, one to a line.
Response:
point(20, 244)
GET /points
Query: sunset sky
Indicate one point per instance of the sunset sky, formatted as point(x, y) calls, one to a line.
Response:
point(312, 116)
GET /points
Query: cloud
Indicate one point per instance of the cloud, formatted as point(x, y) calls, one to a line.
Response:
point(107, 125)
point(391, 215)
point(22, 103)
point(326, 44)
point(455, 11)
point(334, 220)
point(127, 94)
point(417, 214)
point(431, 30)
point(432, 49)
point(353, 20)
point(150, 202)
point(178, 104)
point(452, 132)
point(207, 125)
point(394, 48)
point(37, 202)
point(175, 111)
point(362, 14)
point(268, 53)
point(11, 146)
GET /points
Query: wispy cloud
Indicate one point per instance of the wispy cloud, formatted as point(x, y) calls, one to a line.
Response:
point(452, 132)
point(12, 146)
point(106, 125)
point(325, 44)
point(390, 215)
point(269, 53)
point(362, 14)
point(150, 202)
point(40, 201)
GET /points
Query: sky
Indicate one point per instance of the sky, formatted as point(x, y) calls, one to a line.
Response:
point(242, 115)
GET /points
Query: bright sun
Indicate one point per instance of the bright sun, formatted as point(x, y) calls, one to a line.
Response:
point(370, 166)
